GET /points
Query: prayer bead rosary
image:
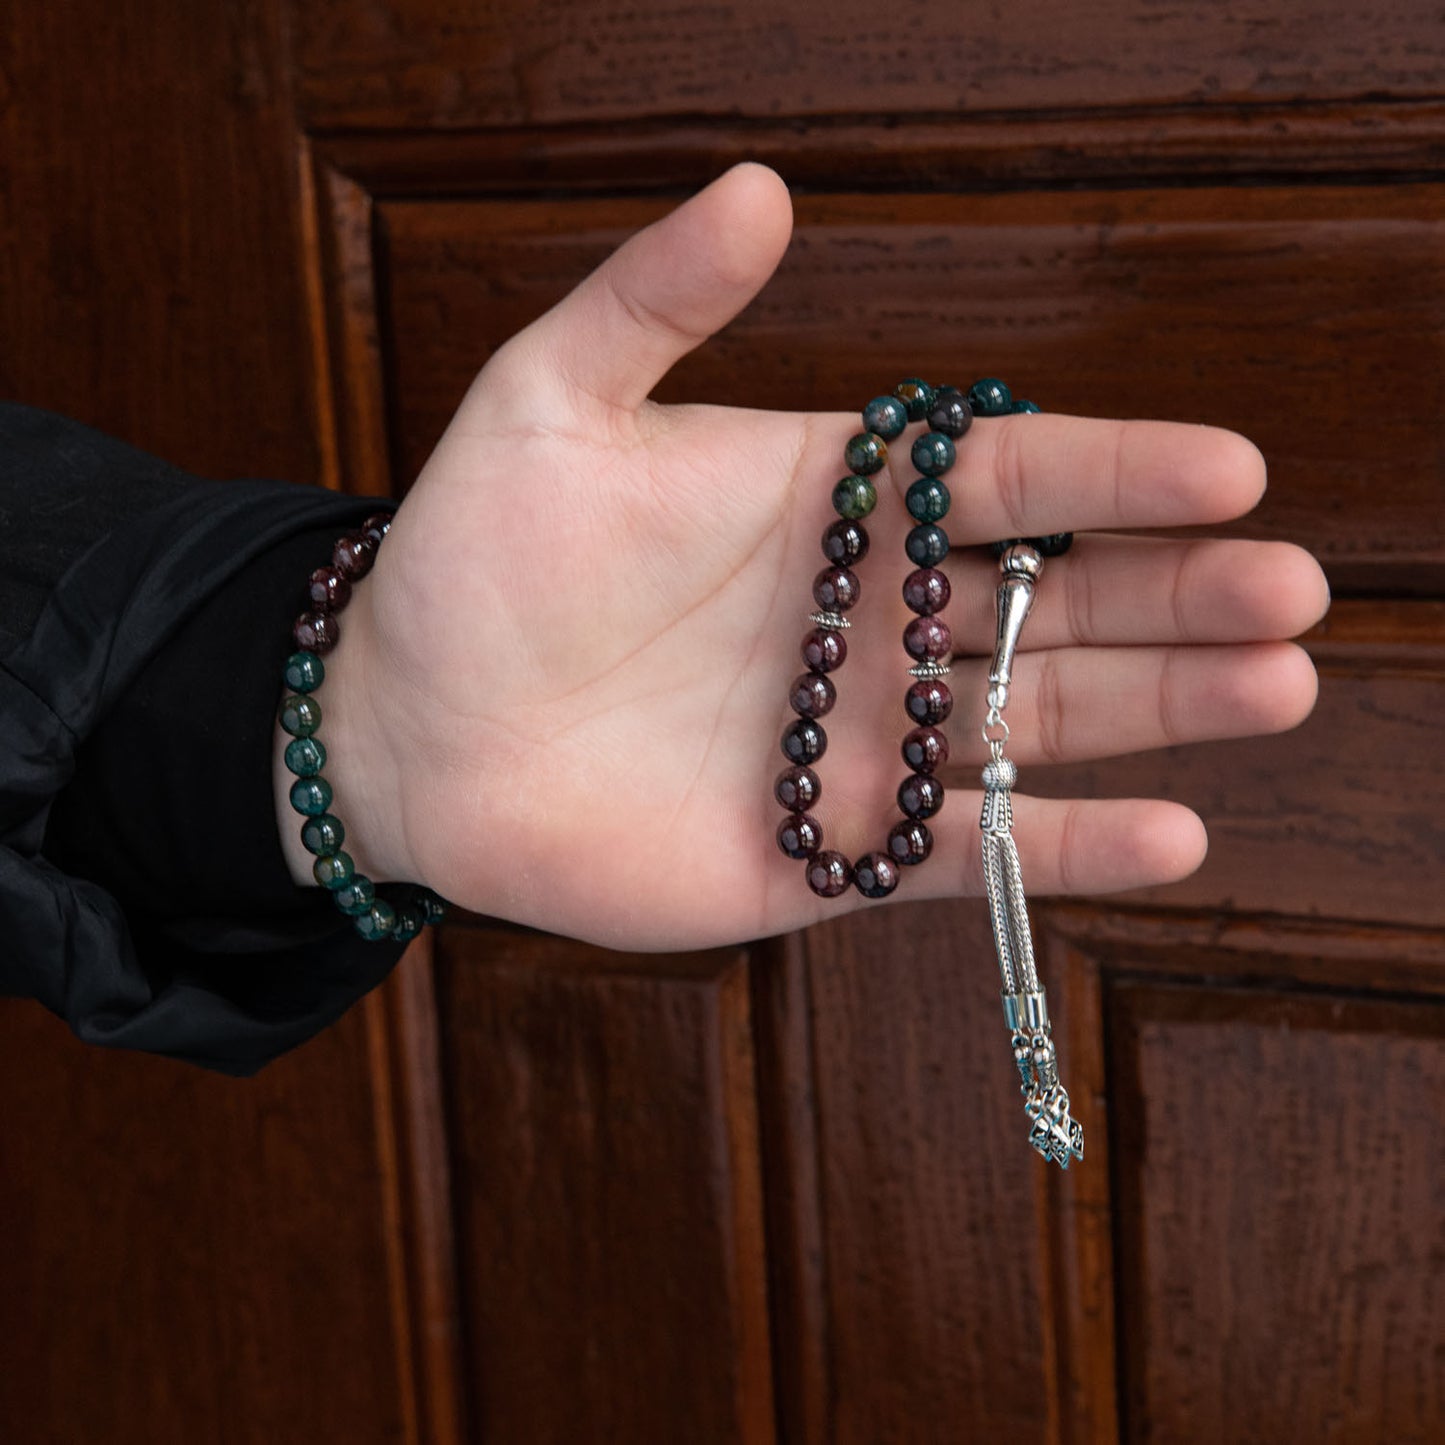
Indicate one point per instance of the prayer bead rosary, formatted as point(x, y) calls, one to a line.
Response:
point(928, 703)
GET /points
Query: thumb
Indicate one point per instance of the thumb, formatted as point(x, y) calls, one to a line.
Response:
point(663, 292)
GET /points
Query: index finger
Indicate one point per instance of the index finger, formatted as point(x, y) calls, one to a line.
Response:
point(1035, 474)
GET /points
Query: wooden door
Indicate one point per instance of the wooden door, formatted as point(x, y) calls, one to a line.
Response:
point(534, 1191)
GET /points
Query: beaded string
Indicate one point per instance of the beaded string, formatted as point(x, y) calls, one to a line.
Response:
point(317, 631)
point(1053, 1132)
point(927, 639)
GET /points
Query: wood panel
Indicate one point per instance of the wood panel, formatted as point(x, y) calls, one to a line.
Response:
point(434, 64)
point(1341, 818)
point(150, 280)
point(931, 1209)
point(190, 1257)
point(610, 1219)
point(1283, 313)
point(1279, 1178)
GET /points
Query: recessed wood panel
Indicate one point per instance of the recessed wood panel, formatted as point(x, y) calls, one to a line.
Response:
point(177, 1243)
point(1309, 318)
point(609, 1203)
point(1279, 1227)
point(939, 1324)
point(436, 64)
point(1341, 818)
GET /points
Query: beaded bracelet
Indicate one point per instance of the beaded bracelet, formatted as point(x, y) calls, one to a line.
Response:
point(317, 631)
point(928, 703)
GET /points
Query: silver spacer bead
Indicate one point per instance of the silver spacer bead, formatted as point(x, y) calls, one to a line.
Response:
point(835, 620)
point(930, 668)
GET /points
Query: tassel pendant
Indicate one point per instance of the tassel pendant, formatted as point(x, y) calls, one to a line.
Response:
point(1053, 1132)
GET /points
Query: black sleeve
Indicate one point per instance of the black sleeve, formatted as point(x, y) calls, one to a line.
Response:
point(144, 618)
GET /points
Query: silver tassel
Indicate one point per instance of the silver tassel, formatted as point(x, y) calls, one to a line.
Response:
point(1053, 1131)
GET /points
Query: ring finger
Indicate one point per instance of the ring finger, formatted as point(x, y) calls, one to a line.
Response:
point(1073, 704)
point(1127, 591)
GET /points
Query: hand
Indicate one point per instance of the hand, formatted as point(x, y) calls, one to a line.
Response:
point(559, 695)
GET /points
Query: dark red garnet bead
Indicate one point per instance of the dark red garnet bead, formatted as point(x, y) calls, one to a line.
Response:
point(836, 589)
point(797, 789)
point(928, 701)
point(376, 526)
point(804, 742)
point(800, 835)
point(926, 591)
point(316, 632)
point(950, 412)
point(927, 639)
point(328, 589)
point(876, 875)
point(909, 843)
point(353, 555)
point(824, 650)
point(845, 542)
point(812, 695)
point(925, 750)
point(829, 874)
point(920, 796)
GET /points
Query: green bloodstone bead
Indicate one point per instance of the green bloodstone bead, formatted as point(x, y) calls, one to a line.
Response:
point(409, 923)
point(933, 454)
point(1025, 406)
point(300, 716)
point(379, 921)
point(928, 500)
point(333, 871)
point(304, 672)
point(865, 453)
point(926, 545)
point(887, 416)
point(323, 835)
point(305, 756)
point(356, 897)
point(854, 498)
point(990, 397)
point(917, 396)
point(432, 907)
point(311, 796)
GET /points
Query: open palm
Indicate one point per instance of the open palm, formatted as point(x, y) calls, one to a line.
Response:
point(578, 639)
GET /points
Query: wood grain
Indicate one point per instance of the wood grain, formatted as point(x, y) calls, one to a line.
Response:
point(191, 1257)
point(150, 283)
point(1285, 144)
point(432, 64)
point(610, 1219)
point(1080, 1283)
point(788, 1123)
point(1287, 314)
point(1279, 1227)
point(1340, 819)
point(935, 1221)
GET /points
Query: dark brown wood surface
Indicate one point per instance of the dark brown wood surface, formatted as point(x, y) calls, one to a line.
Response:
point(779, 1193)
point(431, 64)
point(1286, 1142)
point(187, 1254)
point(603, 1112)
